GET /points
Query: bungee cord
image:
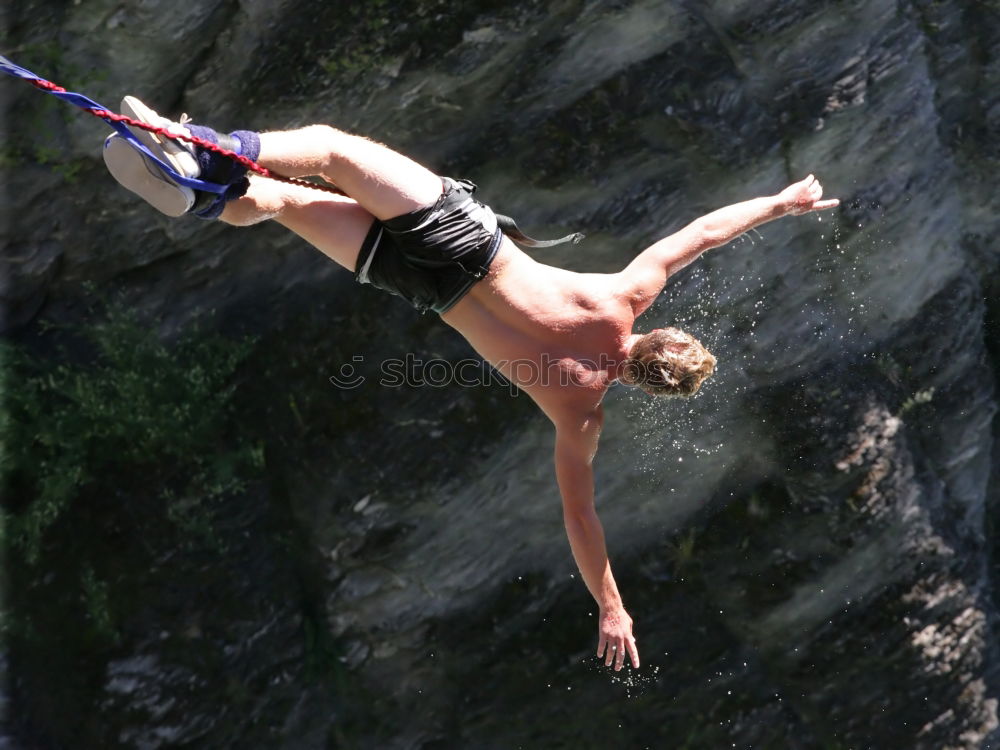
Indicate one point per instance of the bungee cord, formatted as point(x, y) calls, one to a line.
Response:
point(122, 123)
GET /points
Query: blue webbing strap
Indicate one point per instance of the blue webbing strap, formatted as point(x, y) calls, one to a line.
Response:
point(105, 114)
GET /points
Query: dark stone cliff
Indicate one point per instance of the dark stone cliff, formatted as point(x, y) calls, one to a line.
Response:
point(808, 548)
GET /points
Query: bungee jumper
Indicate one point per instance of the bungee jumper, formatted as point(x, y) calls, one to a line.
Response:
point(562, 337)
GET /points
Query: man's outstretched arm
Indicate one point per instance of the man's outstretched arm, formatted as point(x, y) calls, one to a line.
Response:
point(645, 277)
point(576, 444)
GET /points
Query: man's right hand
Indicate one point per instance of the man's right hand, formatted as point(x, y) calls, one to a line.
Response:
point(804, 196)
point(615, 638)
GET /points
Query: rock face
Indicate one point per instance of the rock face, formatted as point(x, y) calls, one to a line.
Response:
point(807, 547)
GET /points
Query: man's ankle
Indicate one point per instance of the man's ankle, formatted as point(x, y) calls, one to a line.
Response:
point(222, 169)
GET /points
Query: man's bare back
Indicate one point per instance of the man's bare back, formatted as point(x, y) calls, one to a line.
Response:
point(559, 336)
point(562, 337)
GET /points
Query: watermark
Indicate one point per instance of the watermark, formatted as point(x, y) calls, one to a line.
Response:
point(411, 371)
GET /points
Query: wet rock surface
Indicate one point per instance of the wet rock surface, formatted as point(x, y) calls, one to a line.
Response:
point(808, 548)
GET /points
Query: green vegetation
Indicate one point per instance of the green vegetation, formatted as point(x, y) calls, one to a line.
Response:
point(924, 396)
point(681, 551)
point(130, 417)
point(95, 600)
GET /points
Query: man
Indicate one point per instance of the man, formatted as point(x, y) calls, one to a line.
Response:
point(562, 337)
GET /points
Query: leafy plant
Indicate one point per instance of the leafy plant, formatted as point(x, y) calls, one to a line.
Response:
point(132, 412)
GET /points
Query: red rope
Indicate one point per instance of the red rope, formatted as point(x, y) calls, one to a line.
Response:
point(250, 164)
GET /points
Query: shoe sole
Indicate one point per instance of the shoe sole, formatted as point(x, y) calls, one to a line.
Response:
point(135, 172)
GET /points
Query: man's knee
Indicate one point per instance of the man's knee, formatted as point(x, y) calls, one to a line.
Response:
point(340, 147)
point(327, 140)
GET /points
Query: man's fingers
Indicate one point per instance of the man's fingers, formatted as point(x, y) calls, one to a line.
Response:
point(831, 203)
point(612, 650)
point(605, 650)
point(633, 652)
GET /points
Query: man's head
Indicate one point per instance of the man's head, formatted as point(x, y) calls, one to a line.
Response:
point(667, 362)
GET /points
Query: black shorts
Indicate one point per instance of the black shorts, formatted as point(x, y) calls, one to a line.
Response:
point(432, 256)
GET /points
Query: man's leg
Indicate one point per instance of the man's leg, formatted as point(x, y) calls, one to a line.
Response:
point(333, 224)
point(380, 182)
point(384, 182)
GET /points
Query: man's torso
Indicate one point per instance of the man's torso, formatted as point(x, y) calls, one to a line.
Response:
point(558, 335)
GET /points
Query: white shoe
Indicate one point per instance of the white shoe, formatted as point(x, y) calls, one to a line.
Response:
point(137, 173)
point(179, 154)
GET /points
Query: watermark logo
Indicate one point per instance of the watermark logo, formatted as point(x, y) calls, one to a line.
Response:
point(349, 378)
point(414, 372)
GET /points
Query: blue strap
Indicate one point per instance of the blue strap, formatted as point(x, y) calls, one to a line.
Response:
point(93, 107)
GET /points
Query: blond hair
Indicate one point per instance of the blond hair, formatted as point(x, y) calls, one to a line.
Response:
point(667, 362)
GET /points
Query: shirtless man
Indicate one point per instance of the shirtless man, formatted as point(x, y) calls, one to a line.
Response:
point(409, 231)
